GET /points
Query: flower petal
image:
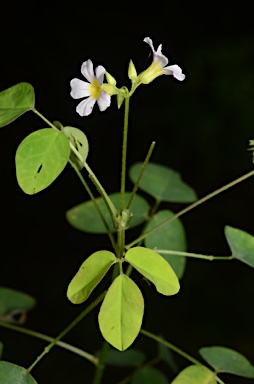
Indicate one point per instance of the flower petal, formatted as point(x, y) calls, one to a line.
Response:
point(80, 89)
point(87, 70)
point(85, 107)
point(174, 70)
point(100, 72)
point(103, 101)
point(149, 42)
point(157, 55)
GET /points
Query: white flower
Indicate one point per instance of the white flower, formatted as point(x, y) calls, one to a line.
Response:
point(91, 90)
point(158, 66)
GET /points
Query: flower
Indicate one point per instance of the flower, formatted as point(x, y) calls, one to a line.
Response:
point(158, 66)
point(91, 90)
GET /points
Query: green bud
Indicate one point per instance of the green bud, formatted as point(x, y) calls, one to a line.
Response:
point(132, 73)
point(110, 79)
point(120, 99)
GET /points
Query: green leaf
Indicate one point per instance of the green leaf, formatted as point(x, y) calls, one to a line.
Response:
point(121, 313)
point(13, 303)
point(15, 101)
point(195, 374)
point(155, 268)
point(89, 275)
point(14, 374)
point(1, 349)
point(241, 244)
point(227, 360)
point(170, 236)
point(86, 218)
point(80, 142)
point(149, 375)
point(40, 158)
point(130, 358)
point(163, 183)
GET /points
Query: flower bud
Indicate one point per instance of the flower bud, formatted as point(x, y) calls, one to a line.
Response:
point(132, 73)
point(110, 79)
point(120, 99)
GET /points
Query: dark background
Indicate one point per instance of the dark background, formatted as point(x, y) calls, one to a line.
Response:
point(201, 126)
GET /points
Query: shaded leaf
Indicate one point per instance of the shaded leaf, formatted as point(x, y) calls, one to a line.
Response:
point(163, 183)
point(167, 356)
point(89, 275)
point(121, 313)
point(15, 101)
point(195, 374)
point(130, 358)
point(149, 375)
point(14, 303)
point(155, 268)
point(170, 236)
point(14, 374)
point(241, 244)
point(79, 140)
point(40, 158)
point(86, 218)
point(1, 349)
point(224, 359)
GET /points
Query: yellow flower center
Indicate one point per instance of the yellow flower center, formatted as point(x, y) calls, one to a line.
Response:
point(95, 89)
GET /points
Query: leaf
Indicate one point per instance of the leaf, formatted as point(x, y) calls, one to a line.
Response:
point(155, 268)
point(89, 275)
point(163, 183)
point(14, 374)
point(149, 375)
point(1, 349)
point(80, 142)
point(170, 236)
point(86, 218)
point(121, 313)
point(15, 101)
point(13, 303)
point(167, 356)
point(241, 244)
point(195, 374)
point(224, 359)
point(40, 158)
point(130, 358)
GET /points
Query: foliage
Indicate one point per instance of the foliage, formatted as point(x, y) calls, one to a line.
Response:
point(158, 253)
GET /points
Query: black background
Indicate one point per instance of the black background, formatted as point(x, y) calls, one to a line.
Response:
point(201, 127)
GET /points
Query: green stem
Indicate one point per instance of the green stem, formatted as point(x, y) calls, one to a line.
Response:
point(124, 152)
point(195, 255)
point(46, 120)
point(101, 364)
point(171, 346)
point(135, 188)
point(112, 209)
point(120, 244)
point(66, 330)
point(93, 359)
point(219, 380)
point(175, 349)
point(95, 204)
point(110, 205)
point(192, 206)
point(154, 209)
